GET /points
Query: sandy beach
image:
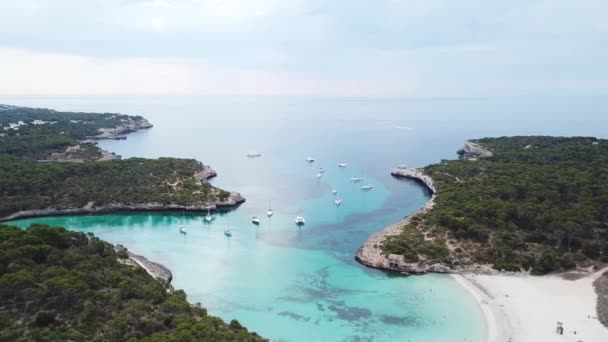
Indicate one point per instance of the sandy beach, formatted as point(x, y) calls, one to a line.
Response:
point(523, 308)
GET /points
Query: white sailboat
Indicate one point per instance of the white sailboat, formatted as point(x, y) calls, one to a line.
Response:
point(255, 220)
point(334, 191)
point(227, 232)
point(367, 186)
point(319, 174)
point(300, 220)
point(355, 179)
point(321, 170)
point(183, 229)
point(208, 217)
point(269, 212)
point(342, 165)
point(253, 154)
point(338, 201)
point(310, 159)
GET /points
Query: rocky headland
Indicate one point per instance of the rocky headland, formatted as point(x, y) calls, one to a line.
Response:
point(119, 132)
point(154, 269)
point(371, 253)
point(232, 201)
point(87, 150)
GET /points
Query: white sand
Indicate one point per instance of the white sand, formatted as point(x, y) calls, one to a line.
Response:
point(522, 308)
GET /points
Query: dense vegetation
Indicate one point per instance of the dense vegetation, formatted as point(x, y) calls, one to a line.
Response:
point(35, 133)
point(57, 285)
point(26, 185)
point(539, 203)
point(31, 134)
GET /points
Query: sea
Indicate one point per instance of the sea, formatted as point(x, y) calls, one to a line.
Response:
point(291, 283)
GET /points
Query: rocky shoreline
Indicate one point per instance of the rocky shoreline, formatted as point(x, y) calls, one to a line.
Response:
point(371, 254)
point(234, 200)
point(120, 132)
point(156, 270)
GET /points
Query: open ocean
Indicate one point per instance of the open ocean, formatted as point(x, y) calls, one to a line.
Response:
point(302, 284)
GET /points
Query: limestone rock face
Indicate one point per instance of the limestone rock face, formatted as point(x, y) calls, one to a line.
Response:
point(119, 132)
point(473, 151)
point(206, 174)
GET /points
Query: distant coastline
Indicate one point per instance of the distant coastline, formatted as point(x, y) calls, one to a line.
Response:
point(82, 150)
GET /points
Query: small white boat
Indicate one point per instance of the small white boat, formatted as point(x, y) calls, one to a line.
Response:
point(253, 154)
point(355, 179)
point(255, 220)
point(227, 232)
point(319, 174)
point(367, 187)
point(183, 230)
point(300, 220)
point(338, 201)
point(334, 191)
point(269, 212)
point(342, 165)
point(208, 217)
point(321, 170)
point(310, 159)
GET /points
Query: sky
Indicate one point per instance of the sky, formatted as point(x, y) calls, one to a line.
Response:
point(377, 48)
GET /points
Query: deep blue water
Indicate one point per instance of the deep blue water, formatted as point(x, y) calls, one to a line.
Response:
point(303, 284)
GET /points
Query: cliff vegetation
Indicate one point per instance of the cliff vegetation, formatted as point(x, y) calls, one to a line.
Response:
point(535, 203)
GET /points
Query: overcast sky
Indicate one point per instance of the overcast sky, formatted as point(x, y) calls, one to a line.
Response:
point(442, 48)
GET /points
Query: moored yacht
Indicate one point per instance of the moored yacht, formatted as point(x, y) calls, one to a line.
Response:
point(227, 232)
point(208, 217)
point(342, 165)
point(255, 220)
point(334, 191)
point(300, 220)
point(183, 230)
point(367, 187)
point(310, 159)
point(355, 179)
point(253, 154)
point(338, 201)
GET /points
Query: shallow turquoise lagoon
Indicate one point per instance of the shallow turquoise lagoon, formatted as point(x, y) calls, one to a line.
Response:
point(302, 284)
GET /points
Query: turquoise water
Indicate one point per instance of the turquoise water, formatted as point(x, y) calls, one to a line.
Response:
point(302, 284)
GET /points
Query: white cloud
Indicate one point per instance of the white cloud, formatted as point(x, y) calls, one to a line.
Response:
point(331, 47)
point(38, 73)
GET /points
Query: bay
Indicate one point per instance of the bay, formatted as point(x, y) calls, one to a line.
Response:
point(302, 284)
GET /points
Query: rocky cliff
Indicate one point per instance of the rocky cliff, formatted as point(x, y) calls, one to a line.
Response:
point(119, 132)
point(473, 151)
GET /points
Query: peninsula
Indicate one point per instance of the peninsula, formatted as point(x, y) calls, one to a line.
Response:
point(534, 204)
point(50, 165)
point(60, 285)
point(507, 209)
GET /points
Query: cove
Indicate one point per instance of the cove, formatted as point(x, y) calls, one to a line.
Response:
point(302, 284)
